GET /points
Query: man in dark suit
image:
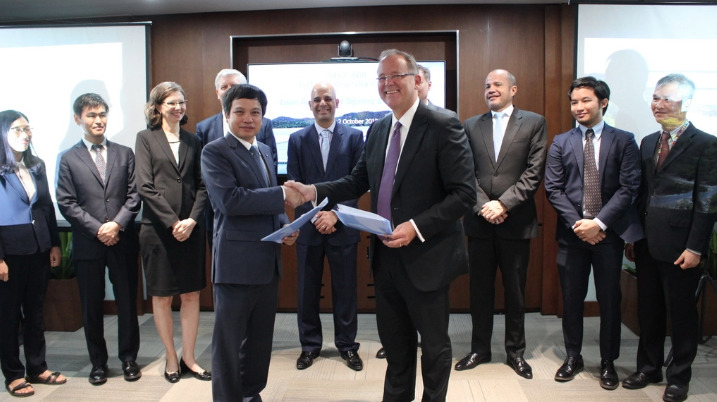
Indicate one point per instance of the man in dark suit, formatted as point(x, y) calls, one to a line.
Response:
point(325, 150)
point(97, 195)
point(591, 179)
point(509, 147)
point(678, 207)
point(423, 193)
point(215, 127)
point(248, 205)
point(425, 86)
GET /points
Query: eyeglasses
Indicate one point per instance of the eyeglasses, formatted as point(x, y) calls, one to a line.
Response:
point(19, 130)
point(393, 77)
point(175, 104)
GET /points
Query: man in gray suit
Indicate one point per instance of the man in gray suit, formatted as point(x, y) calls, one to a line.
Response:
point(509, 148)
point(96, 193)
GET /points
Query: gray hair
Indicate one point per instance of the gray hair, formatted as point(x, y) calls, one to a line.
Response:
point(228, 72)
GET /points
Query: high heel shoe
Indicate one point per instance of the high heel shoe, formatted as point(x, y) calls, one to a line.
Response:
point(174, 376)
point(204, 375)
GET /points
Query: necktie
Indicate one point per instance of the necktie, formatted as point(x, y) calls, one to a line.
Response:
point(325, 146)
point(664, 149)
point(497, 133)
point(389, 173)
point(593, 197)
point(99, 160)
point(260, 164)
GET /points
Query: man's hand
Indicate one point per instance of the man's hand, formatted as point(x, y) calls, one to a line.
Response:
point(290, 239)
point(687, 260)
point(55, 256)
point(630, 251)
point(325, 221)
point(108, 233)
point(293, 197)
point(4, 271)
point(181, 230)
point(308, 192)
point(494, 212)
point(402, 235)
point(587, 229)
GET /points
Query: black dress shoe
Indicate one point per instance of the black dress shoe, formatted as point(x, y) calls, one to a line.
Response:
point(131, 371)
point(608, 375)
point(520, 366)
point(172, 377)
point(570, 368)
point(98, 375)
point(306, 359)
point(675, 393)
point(639, 380)
point(381, 354)
point(353, 360)
point(470, 361)
point(203, 375)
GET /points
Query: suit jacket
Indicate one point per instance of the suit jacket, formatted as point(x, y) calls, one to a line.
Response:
point(619, 169)
point(27, 225)
point(441, 109)
point(170, 192)
point(678, 202)
point(212, 128)
point(245, 211)
point(513, 179)
point(87, 203)
point(305, 165)
point(434, 186)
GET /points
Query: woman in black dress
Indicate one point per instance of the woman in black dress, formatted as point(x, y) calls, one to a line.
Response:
point(171, 237)
point(29, 245)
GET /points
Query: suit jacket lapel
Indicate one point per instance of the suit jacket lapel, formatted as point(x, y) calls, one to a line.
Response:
point(218, 126)
point(486, 128)
point(246, 156)
point(160, 139)
point(410, 147)
point(14, 181)
point(606, 139)
point(312, 141)
point(576, 141)
point(81, 152)
point(511, 130)
point(336, 139)
point(184, 149)
point(683, 142)
point(111, 160)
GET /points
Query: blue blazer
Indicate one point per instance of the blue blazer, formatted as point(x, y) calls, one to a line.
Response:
point(619, 168)
point(26, 226)
point(245, 211)
point(212, 128)
point(87, 203)
point(306, 166)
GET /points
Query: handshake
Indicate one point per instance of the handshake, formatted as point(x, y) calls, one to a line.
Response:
point(298, 193)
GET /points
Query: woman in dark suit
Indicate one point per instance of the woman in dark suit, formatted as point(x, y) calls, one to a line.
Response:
point(29, 245)
point(169, 181)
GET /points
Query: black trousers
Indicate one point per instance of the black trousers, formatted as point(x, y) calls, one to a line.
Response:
point(24, 291)
point(122, 266)
point(512, 256)
point(242, 339)
point(666, 292)
point(574, 263)
point(310, 262)
point(401, 310)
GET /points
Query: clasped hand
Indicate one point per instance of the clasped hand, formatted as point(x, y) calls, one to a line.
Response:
point(494, 212)
point(325, 222)
point(181, 230)
point(588, 231)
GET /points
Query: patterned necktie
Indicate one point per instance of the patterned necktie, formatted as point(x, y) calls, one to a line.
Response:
point(593, 197)
point(664, 149)
point(497, 133)
point(325, 146)
point(260, 164)
point(99, 160)
point(389, 173)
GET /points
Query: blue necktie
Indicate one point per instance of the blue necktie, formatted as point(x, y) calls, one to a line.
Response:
point(389, 173)
point(260, 164)
point(325, 146)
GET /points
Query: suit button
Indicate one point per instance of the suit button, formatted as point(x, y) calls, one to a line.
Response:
point(179, 180)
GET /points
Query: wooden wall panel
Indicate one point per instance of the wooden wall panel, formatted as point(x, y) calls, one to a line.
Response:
point(535, 42)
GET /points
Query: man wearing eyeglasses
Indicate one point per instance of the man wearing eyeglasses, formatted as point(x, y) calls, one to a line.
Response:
point(419, 169)
point(677, 205)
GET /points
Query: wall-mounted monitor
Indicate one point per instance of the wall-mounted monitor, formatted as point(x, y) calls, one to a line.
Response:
point(288, 90)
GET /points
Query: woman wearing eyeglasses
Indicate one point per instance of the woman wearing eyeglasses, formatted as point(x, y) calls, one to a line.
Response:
point(172, 235)
point(29, 245)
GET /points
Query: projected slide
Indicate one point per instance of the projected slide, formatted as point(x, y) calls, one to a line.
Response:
point(632, 46)
point(288, 90)
point(45, 69)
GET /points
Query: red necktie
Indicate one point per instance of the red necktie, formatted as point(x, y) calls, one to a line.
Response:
point(664, 149)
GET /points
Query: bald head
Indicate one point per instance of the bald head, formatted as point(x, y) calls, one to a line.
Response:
point(500, 88)
point(323, 104)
